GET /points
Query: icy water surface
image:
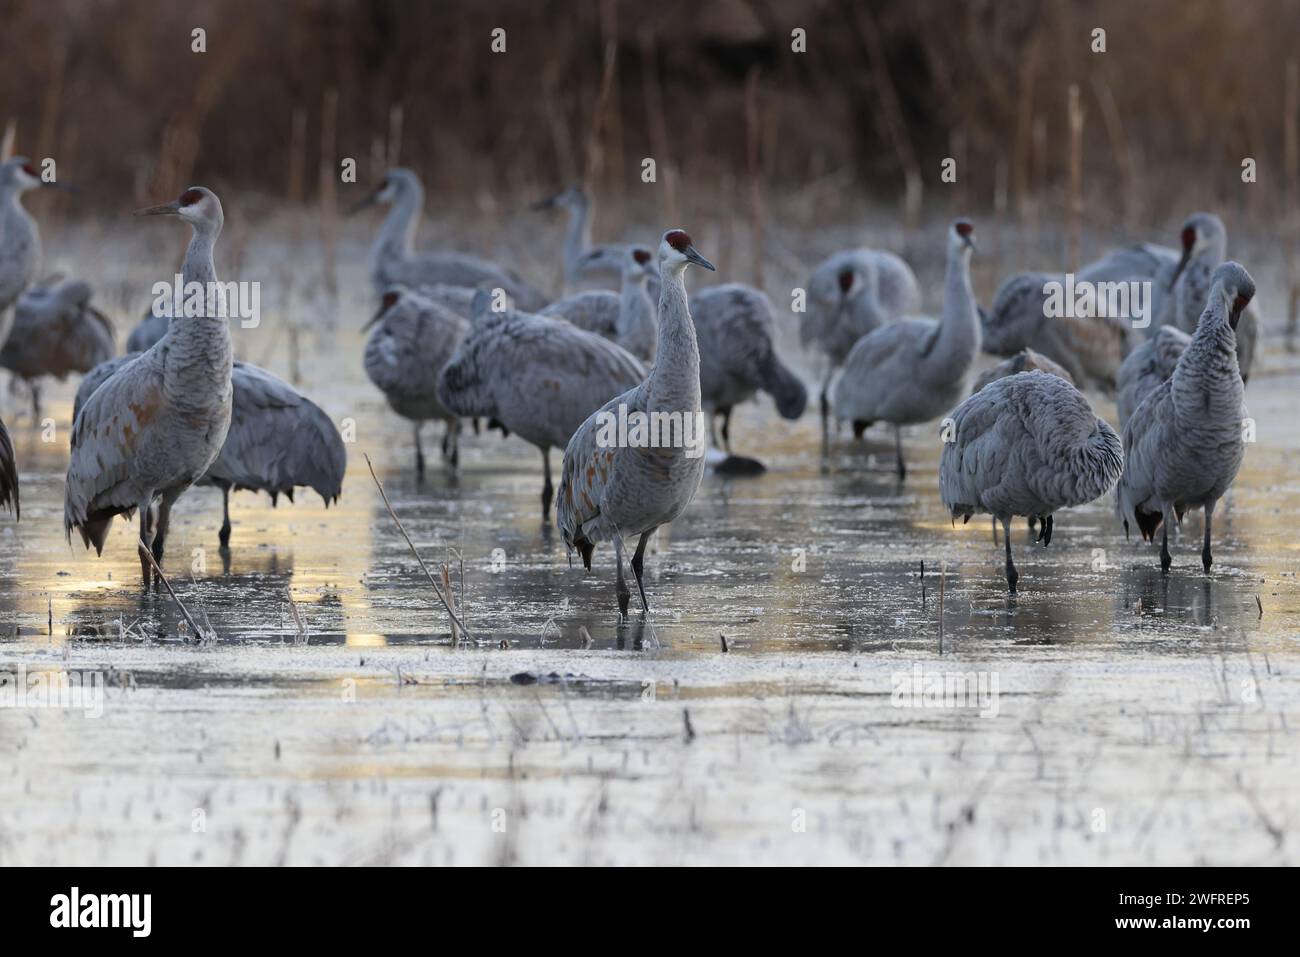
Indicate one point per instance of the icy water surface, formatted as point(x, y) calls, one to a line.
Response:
point(1136, 719)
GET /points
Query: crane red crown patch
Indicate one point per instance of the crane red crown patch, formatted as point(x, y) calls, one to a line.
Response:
point(678, 240)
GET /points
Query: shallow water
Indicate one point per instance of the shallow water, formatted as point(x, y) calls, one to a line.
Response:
point(1138, 718)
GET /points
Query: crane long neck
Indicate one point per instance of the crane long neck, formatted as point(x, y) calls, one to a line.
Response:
point(1193, 285)
point(577, 238)
point(959, 330)
point(397, 234)
point(199, 358)
point(674, 383)
point(1206, 383)
point(636, 318)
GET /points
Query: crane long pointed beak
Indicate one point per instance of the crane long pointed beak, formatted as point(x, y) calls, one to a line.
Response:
point(166, 209)
point(63, 187)
point(1182, 264)
point(541, 204)
point(695, 257)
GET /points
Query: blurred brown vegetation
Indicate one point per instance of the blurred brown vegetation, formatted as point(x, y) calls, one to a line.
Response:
point(712, 90)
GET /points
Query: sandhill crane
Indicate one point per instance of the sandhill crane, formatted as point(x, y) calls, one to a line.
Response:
point(20, 240)
point(1028, 444)
point(609, 491)
point(394, 261)
point(582, 260)
point(278, 440)
point(8, 472)
point(850, 295)
point(914, 370)
point(1026, 360)
point(1090, 348)
point(537, 376)
point(626, 317)
point(413, 339)
point(158, 423)
point(1205, 244)
point(1146, 367)
point(1184, 443)
point(735, 326)
point(56, 331)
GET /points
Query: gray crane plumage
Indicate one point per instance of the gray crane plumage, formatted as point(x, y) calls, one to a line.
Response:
point(394, 261)
point(1184, 443)
point(609, 492)
point(539, 377)
point(626, 317)
point(1026, 360)
point(20, 240)
point(56, 331)
point(582, 261)
point(278, 439)
point(1150, 364)
point(413, 338)
point(915, 370)
point(1090, 349)
point(8, 473)
point(735, 326)
point(1205, 245)
point(1027, 444)
point(156, 425)
point(850, 295)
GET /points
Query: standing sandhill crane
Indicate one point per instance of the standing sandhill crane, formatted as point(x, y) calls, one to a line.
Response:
point(56, 331)
point(850, 295)
point(626, 317)
point(609, 491)
point(1184, 444)
point(1146, 367)
point(1028, 444)
point(278, 440)
point(735, 326)
point(537, 376)
point(914, 370)
point(394, 261)
point(8, 473)
point(156, 425)
point(582, 260)
point(1205, 244)
point(1026, 360)
point(413, 339)
point(20, 240)
point(1091, 349)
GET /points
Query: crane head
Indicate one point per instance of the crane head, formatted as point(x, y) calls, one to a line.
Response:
point(198, 206)
point(1200, 232)
point(676, 251)
point(962, 236)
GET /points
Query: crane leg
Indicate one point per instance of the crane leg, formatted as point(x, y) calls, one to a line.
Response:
point(995, 530)
point(898, 447)
point(36, 403)
point(223, 536)
point(164, 523)
point(726, 427)
point(1012, 575)
point(1206, 558)
point(620, 584)
point(548, 490)
point(146, 536)
point(452, 443)
point(638, 563)
point(1165, 560)
point(419, 454)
